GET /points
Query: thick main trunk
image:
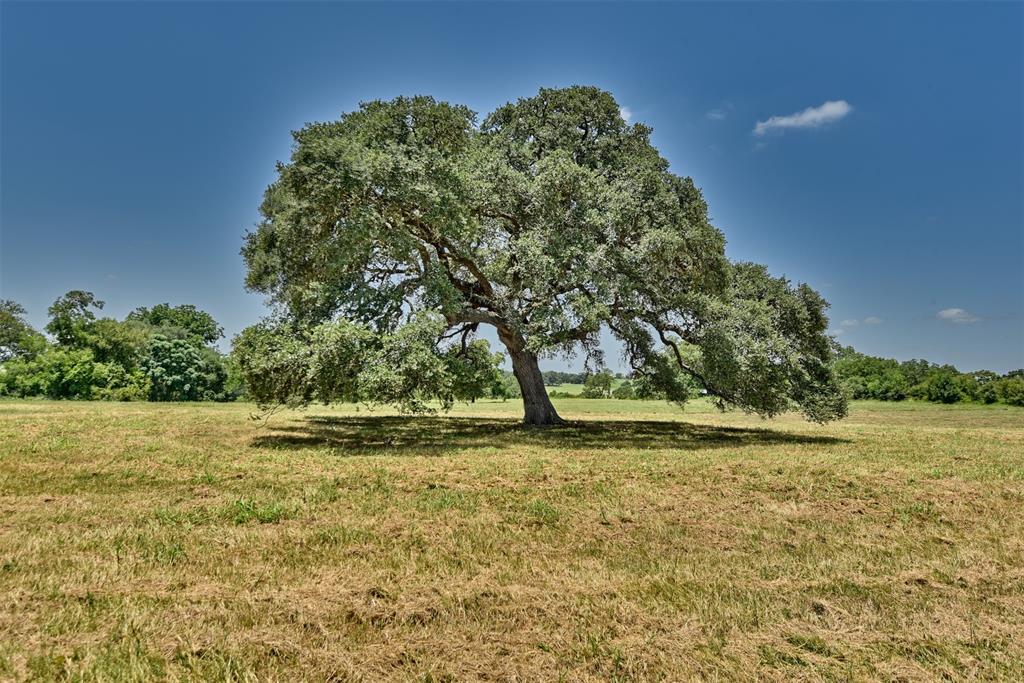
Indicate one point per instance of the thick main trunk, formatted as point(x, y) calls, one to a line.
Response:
point(537, 406)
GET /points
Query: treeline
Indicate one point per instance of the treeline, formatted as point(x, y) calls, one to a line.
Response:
point(163, 353)
point(886, 379)
point(602, 384)
point(167, 353)
point(554, 378)
point(862, 376)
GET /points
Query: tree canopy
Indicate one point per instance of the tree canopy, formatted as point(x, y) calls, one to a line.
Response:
point(185, 321)
point(160, 354)
point(550, 220)
point(17, 338)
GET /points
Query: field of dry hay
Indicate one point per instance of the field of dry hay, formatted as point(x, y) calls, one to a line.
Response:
point(183, 542)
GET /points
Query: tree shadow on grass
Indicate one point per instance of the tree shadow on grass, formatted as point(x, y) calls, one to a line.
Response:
point(397, 435)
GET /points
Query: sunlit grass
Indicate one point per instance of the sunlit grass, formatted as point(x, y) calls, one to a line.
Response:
point(188, 542)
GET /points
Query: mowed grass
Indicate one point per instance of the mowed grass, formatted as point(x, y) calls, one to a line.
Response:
point(187, 542)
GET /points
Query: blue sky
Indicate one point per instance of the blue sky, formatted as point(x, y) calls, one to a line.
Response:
point(136, 140)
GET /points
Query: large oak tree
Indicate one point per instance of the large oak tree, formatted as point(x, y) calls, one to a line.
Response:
point(398, 230)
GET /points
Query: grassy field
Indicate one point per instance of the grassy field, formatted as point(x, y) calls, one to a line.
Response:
point(577, 389)
point(186, 542)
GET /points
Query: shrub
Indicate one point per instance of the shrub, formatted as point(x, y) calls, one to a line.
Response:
point(1011, 391)
point(943, 387)
point(989, 392)
point(598, 385)
point(177, 370)
point(624, 391)
point(112, 382)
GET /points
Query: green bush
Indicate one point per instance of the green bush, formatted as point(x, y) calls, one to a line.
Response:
point(112, 382)
point(1011, 391)
point(943, 387)
point(598, 385)
point(989, 392)
point(624, 391)
point(178, 370)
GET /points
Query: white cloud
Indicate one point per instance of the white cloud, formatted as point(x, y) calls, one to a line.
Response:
point(625, 113)
point(720, 113)
point(812, 117)
point(957, 315)
point(852, 323)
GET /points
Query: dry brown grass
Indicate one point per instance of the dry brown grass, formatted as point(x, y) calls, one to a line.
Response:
point(185, 542)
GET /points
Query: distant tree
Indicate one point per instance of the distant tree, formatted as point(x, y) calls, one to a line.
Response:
point(173, 321)
point(234, 382)
point(916, 371)
point(74, 323)
point(178, 370)
point(71, 315)
point(475, 370)
point(1011, 390)
point(17, 338)
point(624, 391)
point(988, 392)
point(973, 384)
point(598, 385)
point(507, 387)
point(555, 377)
point(67, 373)
point(113, 341)
point(552, 220)
point(158, 353)
point(57, 373)
point(983, 377)
point(942, 387)
point(868, 377)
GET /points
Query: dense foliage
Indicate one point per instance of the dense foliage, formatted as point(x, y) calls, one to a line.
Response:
point(885, 379)
point(551, 220)
point(554, 378)
point(159, 354)
point(17, 338)
point(862, 377)
point(598, 385)
point(342, 360)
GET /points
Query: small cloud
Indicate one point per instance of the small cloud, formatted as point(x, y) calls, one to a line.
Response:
point(625, 113)
point(812, 117)
point(720, 113)
point(957, 315)
point(835, 333)
point(853, 322)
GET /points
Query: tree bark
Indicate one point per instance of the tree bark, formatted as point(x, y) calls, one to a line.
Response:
point(537, 406)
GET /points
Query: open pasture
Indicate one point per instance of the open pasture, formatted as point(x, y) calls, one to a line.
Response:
point(183, 542)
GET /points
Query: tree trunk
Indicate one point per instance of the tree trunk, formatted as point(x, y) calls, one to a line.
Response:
point(537, 406)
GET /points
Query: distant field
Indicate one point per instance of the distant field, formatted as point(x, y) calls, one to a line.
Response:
point(145, 542)
point(577, 389)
